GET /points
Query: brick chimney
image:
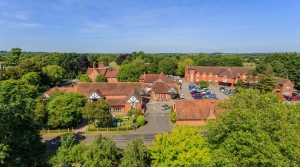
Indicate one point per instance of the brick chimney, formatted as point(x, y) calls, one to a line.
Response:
point(100, 64)
point(94, 64)
point(212, 110)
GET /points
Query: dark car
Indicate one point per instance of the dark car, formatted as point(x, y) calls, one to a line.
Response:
point(165, 107)
point(197, 96)
point(222, 89)
point(296, 95)
point(287, 98)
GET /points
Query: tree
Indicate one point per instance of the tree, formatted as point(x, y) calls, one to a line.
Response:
point(141, 120)
point(136, 154)
point(131, 72)
point(65, 110)
point(32, 78)
point(83, 63)
point(168, 66)
point(266, 83)
point(113, 64)
point(69, 62)
point(256, 129)
point(122, 58)
point(100, 78)
point(204, 84)
point(27, 65)
point(240, 84)
point(102, 152)
point(183, 147)
point(182, 65)
point(84, 78)
point(54, 73)
point(69, 152)
point(279, 69)
point(15, 54)
point(20, 141)
point(172, 115)
point(98, 112)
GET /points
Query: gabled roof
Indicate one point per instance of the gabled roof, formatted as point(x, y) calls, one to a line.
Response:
point(108, 89)
point(161, 87)
point(135, 93)
point(112, 72)
point(230, 72)
point(98, 70)
point(149, 78)
point(62, 89)
point(281, 82)
point(191, 109)
point(97, 92)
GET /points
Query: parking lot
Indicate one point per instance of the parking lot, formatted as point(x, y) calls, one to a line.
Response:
point(216, 90)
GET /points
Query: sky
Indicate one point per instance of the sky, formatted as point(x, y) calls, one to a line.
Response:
point(152, 26)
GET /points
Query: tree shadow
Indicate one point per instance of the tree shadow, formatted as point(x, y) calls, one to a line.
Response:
point(55, 143)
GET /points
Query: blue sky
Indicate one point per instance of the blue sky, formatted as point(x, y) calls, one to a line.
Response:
point(153, 26)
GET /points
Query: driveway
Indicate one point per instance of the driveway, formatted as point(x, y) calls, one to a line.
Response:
point(216, 89)
point(185, 90)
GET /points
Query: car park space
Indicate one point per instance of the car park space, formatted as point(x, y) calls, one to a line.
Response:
point(199, 92)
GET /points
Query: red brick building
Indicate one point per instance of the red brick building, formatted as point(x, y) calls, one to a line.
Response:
point(110, 73)
point(195, 112)
point(217, 75)
point(161, 87)
point(284, 87)
point(122, 97)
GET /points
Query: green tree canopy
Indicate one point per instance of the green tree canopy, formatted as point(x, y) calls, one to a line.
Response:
point(55, 73)
point(136, 154)
point(84, 78)
point(100, 78)
point(182, 65)
point(32, 78)
point(168, 65)
point(65, 110)
point(131, 72)
point(20, 141)
point(98, 113)
point(183, 147)
point(256, 129)
point(102, 152)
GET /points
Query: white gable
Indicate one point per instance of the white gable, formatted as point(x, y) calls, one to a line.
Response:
point(94, 96)
point(172, 90)
point(133, 100)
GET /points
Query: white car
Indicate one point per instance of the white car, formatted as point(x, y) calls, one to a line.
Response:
point(181, 96)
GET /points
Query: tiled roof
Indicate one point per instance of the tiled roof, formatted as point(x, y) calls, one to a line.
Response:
point(230, 72)
point(136, 93)
point(191, 109)
point(62, 89)
point(112, 72)
point(280, 82)
point(149, 78)
point(161, 87)
point(108, 89)
point(116, 102)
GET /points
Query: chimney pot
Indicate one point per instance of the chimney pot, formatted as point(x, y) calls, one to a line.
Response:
point(100, 65)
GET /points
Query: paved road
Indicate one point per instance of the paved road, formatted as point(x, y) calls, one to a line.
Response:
point(158, 122)
point(216, 89)
point(185, 90)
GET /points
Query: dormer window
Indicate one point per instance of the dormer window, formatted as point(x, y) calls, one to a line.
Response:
point(94, 97)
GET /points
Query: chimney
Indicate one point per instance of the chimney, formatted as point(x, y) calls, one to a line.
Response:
point(94, 64)
point(212, 110)
point(100, 64)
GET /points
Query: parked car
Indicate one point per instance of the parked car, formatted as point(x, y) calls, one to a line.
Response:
point(295, 98)
point(287, 98)
point(165, 107)
point(181, 96)
point(296, 95)
point(222, 89)
point(197, 96)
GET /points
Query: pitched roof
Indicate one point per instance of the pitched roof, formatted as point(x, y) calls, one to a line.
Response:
point(65, 89)
point(161, 87)
point(115, 102)
point(111, 72)
point(136, 93)
point(281, 82)
point(191, 109)
point(230, 72)
point(149, 78)
point(108, 89)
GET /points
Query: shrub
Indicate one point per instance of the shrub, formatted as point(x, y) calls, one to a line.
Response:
point(141, 120)
point(172, 116)
point(135, 112)
point(101, 78)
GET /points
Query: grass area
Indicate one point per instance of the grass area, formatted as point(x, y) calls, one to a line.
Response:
point(125, 125)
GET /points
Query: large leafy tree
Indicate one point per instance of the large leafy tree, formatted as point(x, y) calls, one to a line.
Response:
point(20, 142)
point(54, 73)
point(69, 62)
point(64, 110)
point(182, 65)
point(102, 152)
point(83, 63)
point(100, 78)
point(98, 112)
point(15, 54)
point(183, 147)
point(122, 58)
point(136, 154)
point(132, 71)
point(32, 78)
point(84, 78)
point(256, 129)
point(168, 65)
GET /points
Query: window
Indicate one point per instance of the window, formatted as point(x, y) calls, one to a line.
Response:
point(288, 87)
point(109, 110)
point(94, 100)
point(117, 109)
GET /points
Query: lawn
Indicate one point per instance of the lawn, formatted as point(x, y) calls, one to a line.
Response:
point(125, 125)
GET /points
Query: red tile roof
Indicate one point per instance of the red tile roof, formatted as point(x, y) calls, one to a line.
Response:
point(230, 72)
point(112, 72)
point(191, 109)
point(281, 82)
point(62, 89)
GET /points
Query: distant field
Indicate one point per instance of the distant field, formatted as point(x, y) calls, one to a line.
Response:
point(249, 65)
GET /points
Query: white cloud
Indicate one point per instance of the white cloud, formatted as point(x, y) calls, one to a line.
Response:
point(23, 25)
point(17, 15)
